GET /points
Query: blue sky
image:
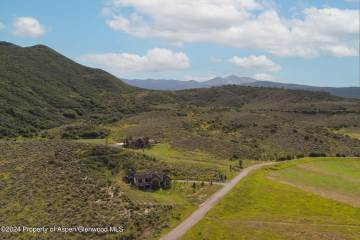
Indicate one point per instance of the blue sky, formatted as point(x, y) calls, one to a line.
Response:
point(302, 41)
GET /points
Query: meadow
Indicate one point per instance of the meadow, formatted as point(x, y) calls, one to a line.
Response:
point(264, 207)
point(335, 178)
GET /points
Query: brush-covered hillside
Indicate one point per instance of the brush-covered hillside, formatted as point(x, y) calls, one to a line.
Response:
point(40, 88)
point(251, 123)
point(59, 183)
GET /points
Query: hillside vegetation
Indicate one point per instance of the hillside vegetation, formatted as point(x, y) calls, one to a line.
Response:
point(68, 184)
point(41, 89)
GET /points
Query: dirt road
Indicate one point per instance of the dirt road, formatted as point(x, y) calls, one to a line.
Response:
point(200, 182)
point(195, 217)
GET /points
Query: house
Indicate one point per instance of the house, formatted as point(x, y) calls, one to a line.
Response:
point(148, 180)
point(139, 142)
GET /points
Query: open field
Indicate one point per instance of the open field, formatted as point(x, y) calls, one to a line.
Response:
point(261, 208)
point(334, 178)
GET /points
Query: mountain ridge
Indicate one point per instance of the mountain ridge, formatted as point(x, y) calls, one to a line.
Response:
point(174, 85)
point(40, 89)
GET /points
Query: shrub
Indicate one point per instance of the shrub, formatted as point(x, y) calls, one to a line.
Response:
point(317, 155)
point(84, 131)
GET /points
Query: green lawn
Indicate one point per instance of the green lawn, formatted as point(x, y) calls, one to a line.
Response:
point(261, 209)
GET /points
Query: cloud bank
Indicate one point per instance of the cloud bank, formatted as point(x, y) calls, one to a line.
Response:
point(156, 59)
point(249, 24)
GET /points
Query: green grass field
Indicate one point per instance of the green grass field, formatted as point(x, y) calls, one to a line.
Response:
point(334, 178)
point(262, 207)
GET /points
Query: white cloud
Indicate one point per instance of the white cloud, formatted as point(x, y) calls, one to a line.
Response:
point(243, 24)
point(263, 77)
point(27, 27)
point(2, 26)
point(341, 51)
point(157, 59)
point(255, 62)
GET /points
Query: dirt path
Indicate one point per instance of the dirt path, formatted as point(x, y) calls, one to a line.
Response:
point(337, 196)
point(200, 182)
point(196, 216)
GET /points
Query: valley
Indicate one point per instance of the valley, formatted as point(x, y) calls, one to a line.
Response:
point(61, 162)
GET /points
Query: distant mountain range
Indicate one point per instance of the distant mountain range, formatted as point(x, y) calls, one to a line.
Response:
point(159, 84)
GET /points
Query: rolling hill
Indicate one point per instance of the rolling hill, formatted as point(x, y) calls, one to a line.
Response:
point(347, 92)
point(41, 90)
point(157, 84)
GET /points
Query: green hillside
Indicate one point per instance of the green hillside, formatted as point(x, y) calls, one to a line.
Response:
point(40, 89)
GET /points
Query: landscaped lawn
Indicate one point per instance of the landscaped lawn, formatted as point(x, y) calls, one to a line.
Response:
point(262, 208)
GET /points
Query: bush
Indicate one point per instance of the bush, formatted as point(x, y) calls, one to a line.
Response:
point(70, 114)
point(317, 155)
point(85, 132)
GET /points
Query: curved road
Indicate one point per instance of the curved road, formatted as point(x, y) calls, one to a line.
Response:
point(195, 217)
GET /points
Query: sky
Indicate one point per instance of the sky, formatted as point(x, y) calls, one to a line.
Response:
point(309, 42)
